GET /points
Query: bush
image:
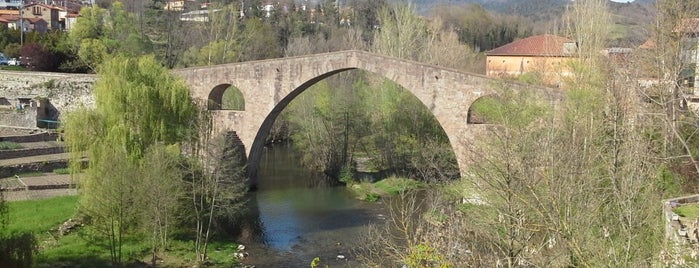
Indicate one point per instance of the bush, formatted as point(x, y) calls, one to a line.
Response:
point(17, 249)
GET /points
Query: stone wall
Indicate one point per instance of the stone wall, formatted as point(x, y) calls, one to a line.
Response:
point(64, 92)
point(18, 118)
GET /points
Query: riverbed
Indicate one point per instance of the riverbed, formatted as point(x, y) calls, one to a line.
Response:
point(297, 215)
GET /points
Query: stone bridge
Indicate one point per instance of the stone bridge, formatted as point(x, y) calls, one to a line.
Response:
point(268, 86)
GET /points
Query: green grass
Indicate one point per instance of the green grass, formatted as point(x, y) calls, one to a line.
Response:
point(82, 249)
point(394, 185)
point(9, 145)
point(390, 186)
point(13, 68)
point(39, 216)
point(688, 211)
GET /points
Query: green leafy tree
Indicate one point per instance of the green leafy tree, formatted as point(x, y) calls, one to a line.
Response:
point(217, 183)
point(138, 105)
point(113, 28)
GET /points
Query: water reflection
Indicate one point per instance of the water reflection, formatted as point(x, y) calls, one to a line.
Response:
point(297, 215)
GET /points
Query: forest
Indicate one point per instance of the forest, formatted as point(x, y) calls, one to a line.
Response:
point(573, 184)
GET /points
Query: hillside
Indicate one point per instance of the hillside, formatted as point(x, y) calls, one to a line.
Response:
point(630, 19)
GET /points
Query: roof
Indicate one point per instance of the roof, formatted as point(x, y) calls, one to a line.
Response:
point(9, 12)
point(35, 20)
point(649, 44)
point(42, 5)
point(9, 18)
point(538, 45)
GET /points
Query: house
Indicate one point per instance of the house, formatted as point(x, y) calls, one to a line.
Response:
point(688, 31)
point(36, 25)
point(546, 56)
point(11, 22)
point(70, 20)
point(10, 4)
point(45, 12)
point(182, 5)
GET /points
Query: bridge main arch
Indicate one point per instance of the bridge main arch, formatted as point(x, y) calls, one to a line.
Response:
point(268, 86)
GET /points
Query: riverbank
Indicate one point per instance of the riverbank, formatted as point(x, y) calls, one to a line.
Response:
point(373, 191)
point(62, 239)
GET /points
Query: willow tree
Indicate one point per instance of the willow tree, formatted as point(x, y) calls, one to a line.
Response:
point(138, 104)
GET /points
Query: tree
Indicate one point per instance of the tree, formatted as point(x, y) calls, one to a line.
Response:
point(138, 105)
point(161, 190)
point(113, 28)
point(38, 58)
point(217, 182)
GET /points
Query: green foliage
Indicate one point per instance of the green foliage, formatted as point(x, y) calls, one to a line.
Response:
point(139, 106)
point(371, 197)
point(140, 103)
point(346, 175)
point(17, 249)
point(233, 99)
point(8, 145)
point(387, 187)
point(315, 262)
point(422, 255)
point(394, 185)
point(100, 32)
point(40, 216)
point(690, 211)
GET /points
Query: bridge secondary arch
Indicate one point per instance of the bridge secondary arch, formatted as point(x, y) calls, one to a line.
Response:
point(269, 85)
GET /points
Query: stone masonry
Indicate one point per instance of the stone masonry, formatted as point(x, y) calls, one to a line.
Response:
point(268, 86)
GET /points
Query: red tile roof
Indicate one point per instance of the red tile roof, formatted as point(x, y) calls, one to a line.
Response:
point(9, 18)
point(649, 44)
point(538, 45)
point(34, 20)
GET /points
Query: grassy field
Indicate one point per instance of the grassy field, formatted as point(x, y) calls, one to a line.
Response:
point(39, 216)
point(82, 249)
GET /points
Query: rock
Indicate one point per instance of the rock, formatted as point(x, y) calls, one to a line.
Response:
point(69, 226)
point(241, 247)
point(341, 257)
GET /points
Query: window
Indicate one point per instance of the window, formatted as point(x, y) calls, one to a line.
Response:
point(36, 10)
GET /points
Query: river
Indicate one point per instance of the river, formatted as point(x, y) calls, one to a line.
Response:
point(297, 215)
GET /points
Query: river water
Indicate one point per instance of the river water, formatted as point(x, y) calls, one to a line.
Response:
point(297, 215)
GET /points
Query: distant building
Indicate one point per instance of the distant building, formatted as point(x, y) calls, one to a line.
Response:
point(182, 5)
point(10, 4)
point(197, 15)
point(544, 55)
point(689, 33)
point(36, 25)
point(45, 12)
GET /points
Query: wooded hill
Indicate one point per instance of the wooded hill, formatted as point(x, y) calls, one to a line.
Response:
point(631, 20)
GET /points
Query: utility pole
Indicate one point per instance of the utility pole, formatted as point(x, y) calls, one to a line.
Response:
point(21, 23)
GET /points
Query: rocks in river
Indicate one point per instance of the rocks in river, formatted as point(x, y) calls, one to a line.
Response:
point(241, 255)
